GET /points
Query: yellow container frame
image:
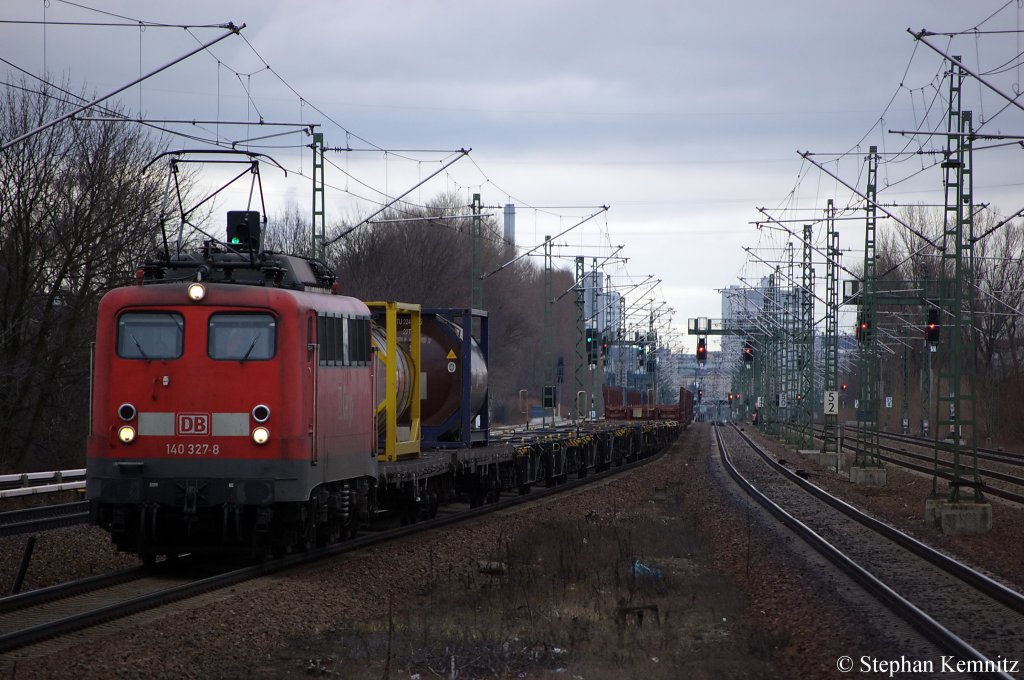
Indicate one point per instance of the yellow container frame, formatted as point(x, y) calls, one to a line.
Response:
point(394, 447)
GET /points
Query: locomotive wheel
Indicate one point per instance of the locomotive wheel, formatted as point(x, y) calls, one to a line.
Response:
point(331, 532)
point(309, 536)
point(259, 551)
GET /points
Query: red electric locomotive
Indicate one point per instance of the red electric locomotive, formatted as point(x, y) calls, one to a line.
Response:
point(205, 414)
point(236, 404)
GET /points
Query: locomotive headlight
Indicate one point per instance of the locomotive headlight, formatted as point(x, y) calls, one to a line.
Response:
point(196, 291)
point(260, 435)
point(126, 412)
point(261, 413)
point(126, 434)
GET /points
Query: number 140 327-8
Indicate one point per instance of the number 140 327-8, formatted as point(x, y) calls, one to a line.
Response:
point(193, 449)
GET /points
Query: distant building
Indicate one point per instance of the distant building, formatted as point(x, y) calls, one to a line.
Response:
point(510, 224)
point(740, 306)
point(611, 303)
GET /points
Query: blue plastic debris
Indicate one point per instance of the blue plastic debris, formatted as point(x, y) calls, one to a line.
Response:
point(643, 571)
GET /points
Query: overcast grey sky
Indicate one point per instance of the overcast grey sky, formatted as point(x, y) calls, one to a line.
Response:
point(683, 117)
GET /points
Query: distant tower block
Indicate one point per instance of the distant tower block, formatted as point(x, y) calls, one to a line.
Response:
point(510, 223)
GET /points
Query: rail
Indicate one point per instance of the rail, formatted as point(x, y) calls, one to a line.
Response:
point(93, 613)
point(849, 441)
point(45, 517)
point(921, 621)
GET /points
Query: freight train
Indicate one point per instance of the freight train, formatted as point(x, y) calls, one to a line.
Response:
point(241, 405)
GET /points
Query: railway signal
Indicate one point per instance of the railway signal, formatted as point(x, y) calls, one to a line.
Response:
point(748, 351)
point(933, 327)
point(244, 229)
point(863, 330)
point(702, 351)
point(591, 348)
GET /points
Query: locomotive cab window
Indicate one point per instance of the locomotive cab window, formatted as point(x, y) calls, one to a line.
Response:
point(150, 335)
point(242, 337)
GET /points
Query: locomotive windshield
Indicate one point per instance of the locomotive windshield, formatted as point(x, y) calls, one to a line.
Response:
point(150, 335)
point(242, 337)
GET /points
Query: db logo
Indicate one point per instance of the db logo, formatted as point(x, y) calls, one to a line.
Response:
point(193, 424)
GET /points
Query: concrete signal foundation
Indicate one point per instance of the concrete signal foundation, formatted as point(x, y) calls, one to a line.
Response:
point(867, 476)
point(846, 459)
point(812, 455)
point(960, 518)
point(825, 460)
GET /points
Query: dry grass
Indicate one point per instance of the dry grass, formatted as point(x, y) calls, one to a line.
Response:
point(566, 597)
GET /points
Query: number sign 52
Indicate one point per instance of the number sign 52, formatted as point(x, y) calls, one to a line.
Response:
point(831, 402)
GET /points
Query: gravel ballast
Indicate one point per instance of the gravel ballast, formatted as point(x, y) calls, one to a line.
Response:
point(381, 611)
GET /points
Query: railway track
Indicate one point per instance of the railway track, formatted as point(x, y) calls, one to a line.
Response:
point(45, 613)
point(40, 615)
point(43, 517)
point(965, 614)
point(925, 463)
point(1008, 457)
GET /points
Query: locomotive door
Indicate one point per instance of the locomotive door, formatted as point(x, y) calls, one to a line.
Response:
point(313, 369)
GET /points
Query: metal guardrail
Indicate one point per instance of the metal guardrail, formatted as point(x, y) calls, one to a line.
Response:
point(29, 483)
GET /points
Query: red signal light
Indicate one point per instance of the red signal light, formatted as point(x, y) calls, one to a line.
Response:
point(932, 332)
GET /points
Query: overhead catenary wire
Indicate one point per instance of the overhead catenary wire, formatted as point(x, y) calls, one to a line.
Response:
point(462, 154)
point(800, 238)
point(349, 133)
point(249, 92)
point(233, 30)
point(875, 203)
point(539, 245)
point(922, 34)
point(135, 24)
point(137, 21)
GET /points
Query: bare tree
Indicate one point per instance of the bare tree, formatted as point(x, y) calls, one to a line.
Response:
point(998, 301)
point(421, 256)
point(995, 287)
point(289, 231)
point(76, 216)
